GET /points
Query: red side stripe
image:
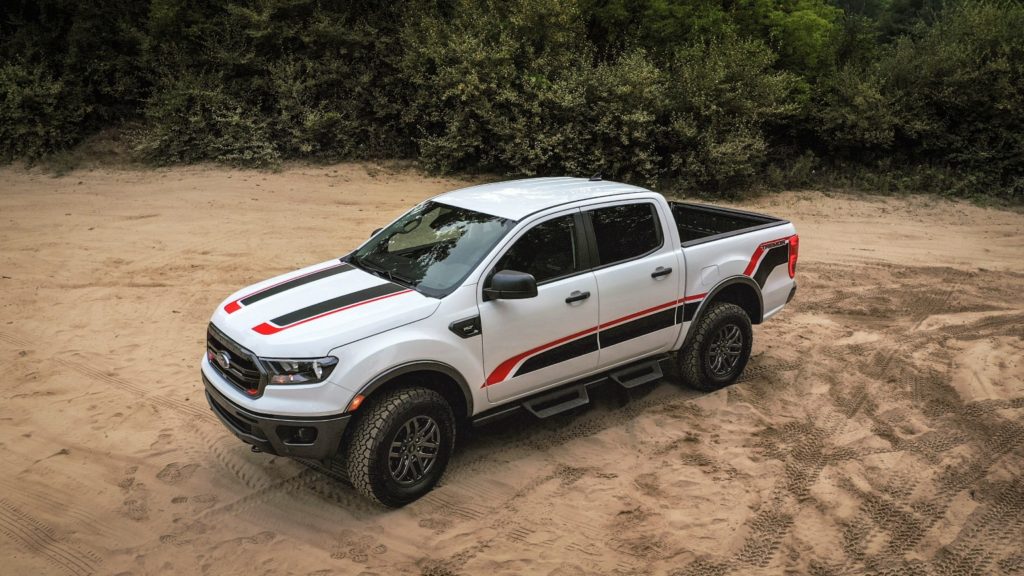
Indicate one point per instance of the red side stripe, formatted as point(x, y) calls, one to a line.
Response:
point(635, 314)
point(235, 305)
point(505, 368)
point(502, 371)
point(267, 328)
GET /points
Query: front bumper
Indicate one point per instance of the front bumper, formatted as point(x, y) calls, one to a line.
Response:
point(317, 438)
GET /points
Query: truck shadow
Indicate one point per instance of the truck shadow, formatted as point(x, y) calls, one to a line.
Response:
point(610, 406)
point(522, 434)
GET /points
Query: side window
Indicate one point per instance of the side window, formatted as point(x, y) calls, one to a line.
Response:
point(625, 232)
point(548, 250)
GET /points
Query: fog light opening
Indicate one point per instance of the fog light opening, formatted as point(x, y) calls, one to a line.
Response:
point(297, 434)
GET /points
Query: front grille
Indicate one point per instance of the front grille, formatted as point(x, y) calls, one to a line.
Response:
point(243, 370)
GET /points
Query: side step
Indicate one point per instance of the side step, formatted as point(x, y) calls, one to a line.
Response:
point(574, 395)
point(547, 405)
point(637, 374)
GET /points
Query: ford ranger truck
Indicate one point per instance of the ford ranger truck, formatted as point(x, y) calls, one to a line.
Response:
point(481, 302)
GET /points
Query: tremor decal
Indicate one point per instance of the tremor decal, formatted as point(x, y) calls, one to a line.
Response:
point(766, 258)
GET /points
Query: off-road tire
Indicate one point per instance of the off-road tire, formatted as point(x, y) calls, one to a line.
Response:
point(694, 364)
point(378, 425)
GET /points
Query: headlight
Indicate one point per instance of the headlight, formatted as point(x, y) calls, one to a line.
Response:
point(300, 371)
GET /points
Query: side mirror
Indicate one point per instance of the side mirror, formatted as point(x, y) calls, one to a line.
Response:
point(511, 285)
point(374, 233)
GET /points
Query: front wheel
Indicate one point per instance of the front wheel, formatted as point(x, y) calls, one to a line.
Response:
point(719, 349)
point(401, 445)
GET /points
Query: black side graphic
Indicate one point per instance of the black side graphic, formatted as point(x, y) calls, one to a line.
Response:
point(567, 351)
point(688, 310)
point(774, 257)
point(636, 328)
point(295, 283)
point(339, 302)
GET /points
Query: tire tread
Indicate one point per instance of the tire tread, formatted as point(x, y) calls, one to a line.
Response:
point(690, 361)
point(374, 422)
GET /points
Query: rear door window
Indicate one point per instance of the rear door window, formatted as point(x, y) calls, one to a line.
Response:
point(625, 232)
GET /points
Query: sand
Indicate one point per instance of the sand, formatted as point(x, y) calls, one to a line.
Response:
point(879, 425)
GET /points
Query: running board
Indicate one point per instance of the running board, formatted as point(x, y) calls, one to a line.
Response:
point(547, 405)
point(574, 395)
point(637, 374)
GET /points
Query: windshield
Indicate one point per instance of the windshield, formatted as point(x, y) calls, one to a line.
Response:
point(432, 248)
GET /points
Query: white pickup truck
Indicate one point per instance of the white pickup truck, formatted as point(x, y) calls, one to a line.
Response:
point(483, 301)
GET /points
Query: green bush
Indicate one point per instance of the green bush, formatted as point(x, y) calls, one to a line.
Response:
point(192, 119)
point(854, 114)
point(725, 100)
point(289, 79)
point(69, 69)
point(38, 114)
point(960, 92)
point(707, 95)
point(480, 74)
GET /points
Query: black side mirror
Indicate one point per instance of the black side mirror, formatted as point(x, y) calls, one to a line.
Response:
point(511, 285)
point(374, 233)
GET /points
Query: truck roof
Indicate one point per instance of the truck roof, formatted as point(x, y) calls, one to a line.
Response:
point(516, 199)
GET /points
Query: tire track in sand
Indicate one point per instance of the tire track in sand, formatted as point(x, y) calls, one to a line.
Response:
point(42, 541)
point(97, 375)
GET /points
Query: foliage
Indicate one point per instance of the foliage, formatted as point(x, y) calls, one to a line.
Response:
point(709, 95)
point(37, 112)
point(725, 99)
point(68, 69)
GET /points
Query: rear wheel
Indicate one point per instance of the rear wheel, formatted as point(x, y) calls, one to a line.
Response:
point(401, 445)
point(719, 350)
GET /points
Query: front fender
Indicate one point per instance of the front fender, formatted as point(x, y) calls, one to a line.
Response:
point(372, 362)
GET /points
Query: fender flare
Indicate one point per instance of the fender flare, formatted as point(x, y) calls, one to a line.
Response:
point(730, 281)
point(420, 366)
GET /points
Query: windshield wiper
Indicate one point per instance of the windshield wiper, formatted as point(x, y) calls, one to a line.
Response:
point(377, 270)
point(404, 279)
point(382, 272)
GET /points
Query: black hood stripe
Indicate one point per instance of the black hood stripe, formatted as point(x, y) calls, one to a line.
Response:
point(338, 302)
point(295, 283)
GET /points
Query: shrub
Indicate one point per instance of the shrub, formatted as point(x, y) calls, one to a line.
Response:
point(38, 114)
point(959, 89)
point(193, 118)
point(725, 98)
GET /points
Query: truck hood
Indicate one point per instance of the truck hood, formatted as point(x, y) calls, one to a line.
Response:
point(306, 313)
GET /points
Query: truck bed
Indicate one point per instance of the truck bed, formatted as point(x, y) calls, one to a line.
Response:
point(699, 223)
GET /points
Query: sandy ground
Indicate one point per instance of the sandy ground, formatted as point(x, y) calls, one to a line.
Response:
point(879, 426)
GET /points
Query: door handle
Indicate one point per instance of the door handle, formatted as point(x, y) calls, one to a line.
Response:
point(577, 296)
point(661, 271)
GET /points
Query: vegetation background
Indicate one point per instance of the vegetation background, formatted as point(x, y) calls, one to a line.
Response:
point(715, 96)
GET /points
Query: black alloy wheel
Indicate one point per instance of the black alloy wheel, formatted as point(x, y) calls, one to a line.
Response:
point(414, 450)
point(725, 350)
